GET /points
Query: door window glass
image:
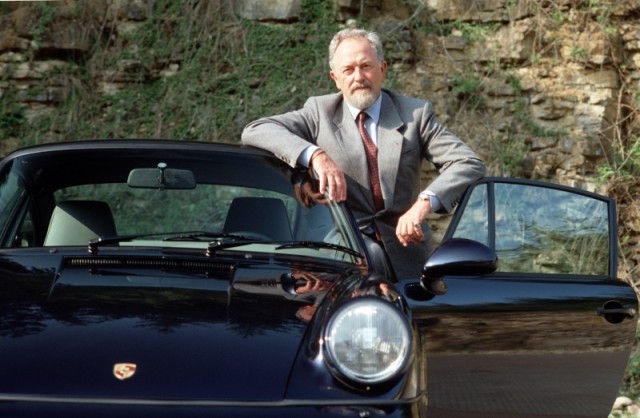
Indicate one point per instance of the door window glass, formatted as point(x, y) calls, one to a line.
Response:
point(545, 230)
point(540, 229)
point(474, 224)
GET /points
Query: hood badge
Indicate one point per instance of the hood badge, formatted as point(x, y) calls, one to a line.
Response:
point(124, 371)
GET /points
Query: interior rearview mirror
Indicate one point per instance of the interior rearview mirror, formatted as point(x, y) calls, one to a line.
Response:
point(161, 178)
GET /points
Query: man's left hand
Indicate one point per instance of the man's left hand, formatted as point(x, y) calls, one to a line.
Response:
point(409, 228)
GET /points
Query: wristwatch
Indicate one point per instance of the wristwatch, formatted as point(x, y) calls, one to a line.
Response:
point(424, 196)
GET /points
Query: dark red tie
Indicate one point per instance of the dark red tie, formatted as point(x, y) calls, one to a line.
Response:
point(372, 162)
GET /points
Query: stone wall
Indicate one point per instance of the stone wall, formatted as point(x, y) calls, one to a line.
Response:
point(544, 90)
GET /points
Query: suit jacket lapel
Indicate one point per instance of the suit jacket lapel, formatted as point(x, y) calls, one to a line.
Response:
point(351, 154)
point(389, 147)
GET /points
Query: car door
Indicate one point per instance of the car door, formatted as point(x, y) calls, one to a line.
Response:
point(550, 332)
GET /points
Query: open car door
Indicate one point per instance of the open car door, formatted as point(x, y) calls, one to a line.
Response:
point(550, 332)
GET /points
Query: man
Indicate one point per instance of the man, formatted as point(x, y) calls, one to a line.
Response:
point(325, 136)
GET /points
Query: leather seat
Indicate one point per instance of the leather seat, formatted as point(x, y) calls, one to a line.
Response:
point(76, 222)
point(265, 216)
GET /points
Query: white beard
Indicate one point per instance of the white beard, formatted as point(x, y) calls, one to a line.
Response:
point(361, 98)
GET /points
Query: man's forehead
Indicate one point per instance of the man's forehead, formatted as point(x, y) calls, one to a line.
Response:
point(355, 50)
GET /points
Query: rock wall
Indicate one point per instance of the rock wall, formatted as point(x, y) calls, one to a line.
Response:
point(541, 89)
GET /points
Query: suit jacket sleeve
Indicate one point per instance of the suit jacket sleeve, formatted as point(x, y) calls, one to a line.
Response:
point(456, 162)
point(286, 135)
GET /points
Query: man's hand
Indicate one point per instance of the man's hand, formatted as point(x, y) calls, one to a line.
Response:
point(330, 177)
point(409, 228)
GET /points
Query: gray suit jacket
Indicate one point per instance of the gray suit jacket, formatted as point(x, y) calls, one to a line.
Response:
point(408, 132)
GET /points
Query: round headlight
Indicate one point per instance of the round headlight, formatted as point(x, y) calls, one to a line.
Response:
point(368, 341)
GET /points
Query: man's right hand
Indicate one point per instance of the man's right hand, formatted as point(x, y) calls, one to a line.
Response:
point(330, 176)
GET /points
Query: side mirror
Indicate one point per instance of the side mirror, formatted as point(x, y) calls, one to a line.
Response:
point(456, 257)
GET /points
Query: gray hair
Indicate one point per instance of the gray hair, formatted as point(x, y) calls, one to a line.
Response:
point(372, 37)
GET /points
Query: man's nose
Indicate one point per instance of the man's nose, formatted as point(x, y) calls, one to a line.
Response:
point(358, 74)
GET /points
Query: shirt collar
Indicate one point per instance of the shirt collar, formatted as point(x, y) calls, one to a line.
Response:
point(373, 111)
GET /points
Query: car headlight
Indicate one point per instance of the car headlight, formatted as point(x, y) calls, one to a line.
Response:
point(367, 341)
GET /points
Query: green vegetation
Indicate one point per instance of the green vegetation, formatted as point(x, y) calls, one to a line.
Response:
point(467, 87)
point(46, 16)
point(577, 54)
point(473, 32)
point(12, 116)
point(625, 162)
point(631, 387)
point(227, 71)
point(631, 383)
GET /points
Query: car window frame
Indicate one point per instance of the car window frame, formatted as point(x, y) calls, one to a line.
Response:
point(490, 182)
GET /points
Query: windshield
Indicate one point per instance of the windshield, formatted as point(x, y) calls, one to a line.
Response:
point(185, 200)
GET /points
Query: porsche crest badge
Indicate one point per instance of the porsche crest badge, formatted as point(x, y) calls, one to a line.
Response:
point(124, 371)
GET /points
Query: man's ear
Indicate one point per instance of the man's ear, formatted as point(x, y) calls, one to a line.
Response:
point(335, 79)
point(383, 68)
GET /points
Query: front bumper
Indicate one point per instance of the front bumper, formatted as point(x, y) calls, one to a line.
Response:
point(97, 408)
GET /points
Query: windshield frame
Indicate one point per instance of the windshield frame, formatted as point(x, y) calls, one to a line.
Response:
point(33, 172)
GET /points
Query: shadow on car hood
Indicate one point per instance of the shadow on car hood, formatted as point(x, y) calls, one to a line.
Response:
point(230, 335)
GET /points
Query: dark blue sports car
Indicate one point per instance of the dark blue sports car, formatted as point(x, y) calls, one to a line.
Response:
point(169, 278)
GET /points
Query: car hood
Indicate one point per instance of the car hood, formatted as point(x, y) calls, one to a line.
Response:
point(206, 332)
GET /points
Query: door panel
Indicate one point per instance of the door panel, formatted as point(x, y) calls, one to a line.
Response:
point(549, 334)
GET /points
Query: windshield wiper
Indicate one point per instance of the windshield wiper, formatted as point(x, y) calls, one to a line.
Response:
point(94, 244)
point(320, 244)
point(197, 235)
point(219, 241)
point(222, 244)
